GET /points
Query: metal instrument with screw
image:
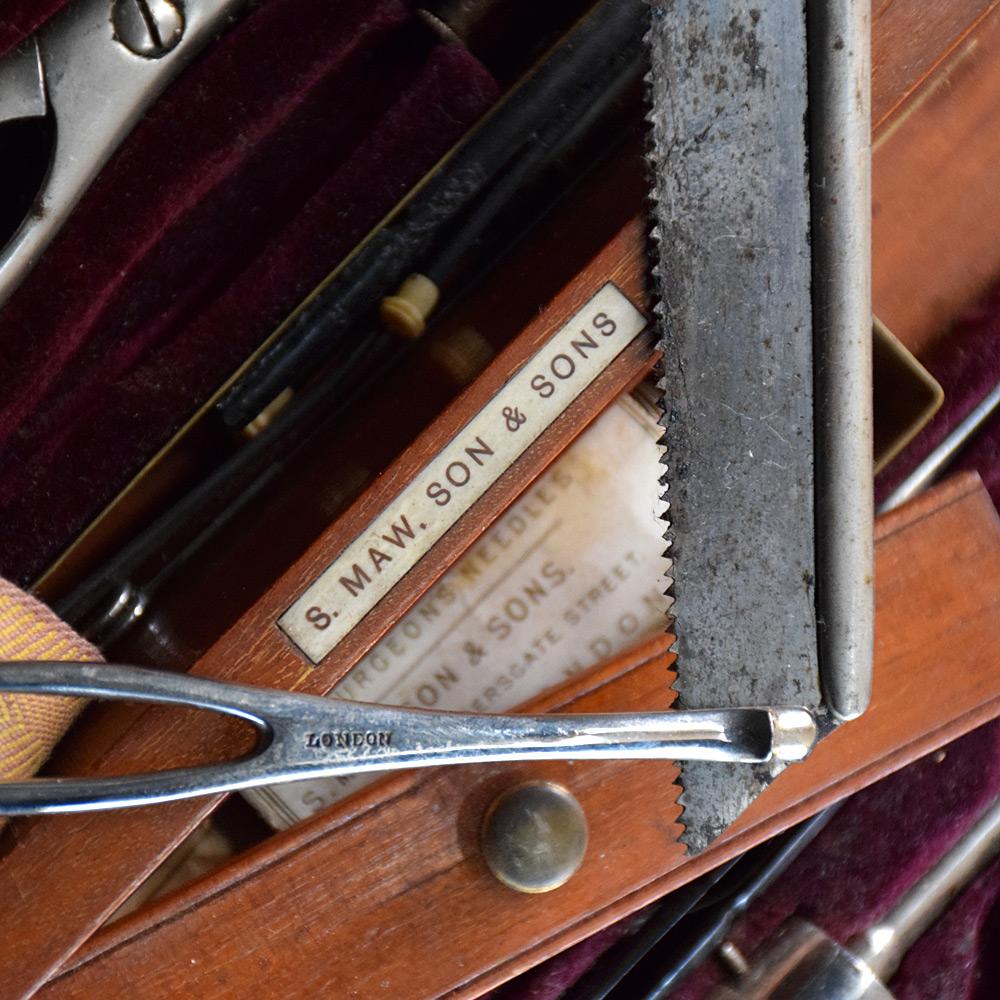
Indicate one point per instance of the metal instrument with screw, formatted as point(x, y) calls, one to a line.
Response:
point(96, 67)
point(804, 963)
point(149, 28)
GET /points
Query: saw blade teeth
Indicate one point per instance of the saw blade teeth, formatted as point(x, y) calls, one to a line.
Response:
point(725, 148)
point(655, 239)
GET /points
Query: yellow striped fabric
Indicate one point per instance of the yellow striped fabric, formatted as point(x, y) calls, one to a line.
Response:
point(31, 726)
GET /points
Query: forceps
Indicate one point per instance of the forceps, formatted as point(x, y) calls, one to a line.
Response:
point(95, 68)
point(305, 736)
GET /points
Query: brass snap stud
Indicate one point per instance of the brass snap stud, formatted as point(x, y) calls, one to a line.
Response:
point(534, 836)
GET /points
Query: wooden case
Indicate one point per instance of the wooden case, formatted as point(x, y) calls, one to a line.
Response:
point(385, 894)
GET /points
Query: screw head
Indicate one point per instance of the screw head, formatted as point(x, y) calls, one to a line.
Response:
point(534, 836)
point(147, 28)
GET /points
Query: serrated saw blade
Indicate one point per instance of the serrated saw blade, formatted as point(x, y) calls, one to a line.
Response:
point(731, 229)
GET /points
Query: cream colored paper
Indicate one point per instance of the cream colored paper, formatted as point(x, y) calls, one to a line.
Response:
point(570, 575)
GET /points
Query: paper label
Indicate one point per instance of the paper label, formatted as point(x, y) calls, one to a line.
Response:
point(570, 575)
point(461, 472)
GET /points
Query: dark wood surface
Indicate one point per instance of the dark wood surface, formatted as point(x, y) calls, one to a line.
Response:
point(386, 894)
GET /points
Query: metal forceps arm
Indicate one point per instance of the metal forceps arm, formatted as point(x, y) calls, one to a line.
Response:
point(304, 736)
point(100, 64)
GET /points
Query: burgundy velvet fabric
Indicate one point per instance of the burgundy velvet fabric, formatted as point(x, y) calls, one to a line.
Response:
point(967, 364)
point(259, 169)
point(874, 849)
point(20, 18)
point(550, 980)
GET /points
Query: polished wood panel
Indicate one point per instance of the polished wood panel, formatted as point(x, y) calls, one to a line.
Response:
point(911, 40)
point(936, 192)
point(386, 893)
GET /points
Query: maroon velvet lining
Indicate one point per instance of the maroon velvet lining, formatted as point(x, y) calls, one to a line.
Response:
point(260, 169)
point(551, 979)
point(20, 18)
point(876, 847)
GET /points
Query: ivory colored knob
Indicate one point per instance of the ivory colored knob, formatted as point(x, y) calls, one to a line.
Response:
point(406, 312)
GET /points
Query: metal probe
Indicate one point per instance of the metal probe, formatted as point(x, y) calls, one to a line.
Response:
point(943, 455)
point(803, 963)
